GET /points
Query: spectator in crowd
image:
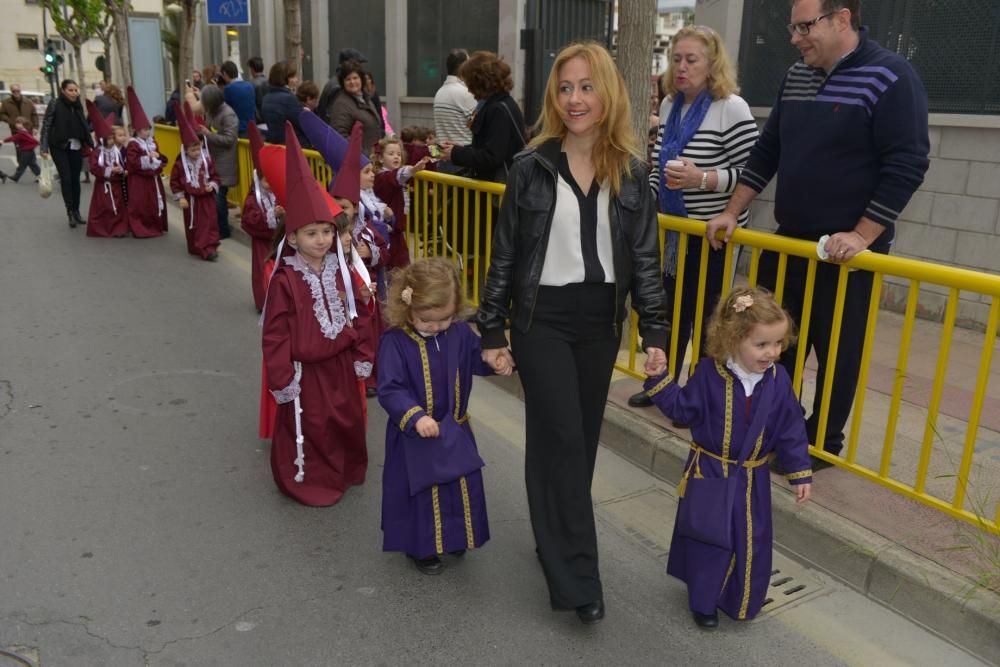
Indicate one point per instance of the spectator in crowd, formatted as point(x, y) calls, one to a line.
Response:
point(453, 103)
point(259, 80)
point(308, 95)
point(196, 79)
point(222, 146)
point(371, 90)
point(65, 135)
point(240, 95)
point(280, 103)
point(17, 106)
point(703, 142)
point(352, 105)
point(332, 86)
point(498, 132)
point(848, 141)
point(168, 114)
point(111, 101)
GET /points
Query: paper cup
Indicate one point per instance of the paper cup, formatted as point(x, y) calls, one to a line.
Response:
point(675, 164)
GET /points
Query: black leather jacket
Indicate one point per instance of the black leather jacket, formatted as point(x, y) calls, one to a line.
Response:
point(521, 238)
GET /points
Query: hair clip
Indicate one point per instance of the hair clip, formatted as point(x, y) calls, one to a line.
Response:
point(742, 303)
point(406, 295)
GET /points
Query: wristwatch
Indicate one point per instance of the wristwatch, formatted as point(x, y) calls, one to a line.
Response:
point(704, 180)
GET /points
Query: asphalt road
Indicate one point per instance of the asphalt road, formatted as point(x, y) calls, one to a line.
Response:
point(139, 524)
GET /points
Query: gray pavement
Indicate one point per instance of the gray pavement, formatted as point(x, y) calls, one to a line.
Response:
point(141, 526)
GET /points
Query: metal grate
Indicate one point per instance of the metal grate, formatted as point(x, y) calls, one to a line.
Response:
point(961, 79)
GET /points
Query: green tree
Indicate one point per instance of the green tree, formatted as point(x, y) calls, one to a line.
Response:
point(74, 21)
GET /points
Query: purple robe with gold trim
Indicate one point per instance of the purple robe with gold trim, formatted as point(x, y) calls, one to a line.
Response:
point(726, 423)
point(432, 488)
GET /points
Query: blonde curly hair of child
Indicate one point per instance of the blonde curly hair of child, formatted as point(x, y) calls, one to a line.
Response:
point(428, 283)
point(376, 156)
point(737, 314)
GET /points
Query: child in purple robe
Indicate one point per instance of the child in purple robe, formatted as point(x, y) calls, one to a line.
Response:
point(432, 485)
point(743, 412)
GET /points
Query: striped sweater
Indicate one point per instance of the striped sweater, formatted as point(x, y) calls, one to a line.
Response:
point(722, 143)
point(844, 145)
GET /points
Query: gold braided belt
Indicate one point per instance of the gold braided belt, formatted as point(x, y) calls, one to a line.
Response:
point(696, 465)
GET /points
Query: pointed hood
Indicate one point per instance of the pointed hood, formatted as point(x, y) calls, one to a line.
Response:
point(188, 135)
point(102, 127)
point(330, 144)
point(256, 143)
point(348, 181)
point(136, 114)
point(305, 202)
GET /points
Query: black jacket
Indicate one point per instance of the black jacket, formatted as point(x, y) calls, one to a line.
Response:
point(280, 104)
point(497, 136)
point(522, 235)
point(64, 121)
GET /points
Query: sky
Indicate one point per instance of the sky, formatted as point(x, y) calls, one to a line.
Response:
point(674, 4)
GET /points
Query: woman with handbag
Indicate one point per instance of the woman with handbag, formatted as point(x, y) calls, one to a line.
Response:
point(743, 412)
point(65, 133)
point(576, 236)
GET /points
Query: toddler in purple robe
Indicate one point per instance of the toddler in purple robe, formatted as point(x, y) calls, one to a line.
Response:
point(743, 412)
point(433, 501)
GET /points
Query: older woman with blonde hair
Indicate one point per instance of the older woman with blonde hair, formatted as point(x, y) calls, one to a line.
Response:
point(705, 139)
point(576, 236)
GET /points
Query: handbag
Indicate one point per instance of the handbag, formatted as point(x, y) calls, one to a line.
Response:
point(45, 178)
point(705, 512)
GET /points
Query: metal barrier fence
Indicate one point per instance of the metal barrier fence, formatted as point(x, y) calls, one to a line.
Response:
point(453, 216)
point(445, 206)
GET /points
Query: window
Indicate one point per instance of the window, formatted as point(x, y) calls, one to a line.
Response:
point(27, 42)
point(439, 26)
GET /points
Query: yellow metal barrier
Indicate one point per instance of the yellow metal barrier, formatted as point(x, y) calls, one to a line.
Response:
point(445, 216)
point(445, 206)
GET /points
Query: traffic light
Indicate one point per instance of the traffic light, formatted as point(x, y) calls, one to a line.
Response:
point(51, 57)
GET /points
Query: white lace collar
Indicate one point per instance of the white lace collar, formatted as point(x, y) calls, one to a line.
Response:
point(327, 306)
point(748, 380)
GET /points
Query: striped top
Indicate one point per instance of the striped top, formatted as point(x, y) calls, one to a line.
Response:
point(453, 107)
point(722, 143)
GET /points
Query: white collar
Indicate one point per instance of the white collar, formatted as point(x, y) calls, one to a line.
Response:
point(748, 380)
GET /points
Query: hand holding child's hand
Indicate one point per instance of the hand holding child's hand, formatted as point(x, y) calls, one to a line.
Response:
point(500, 360)
point(279, 211)
point(656, 361)
point(802, 493)
point(427, 427)
point(184, 204)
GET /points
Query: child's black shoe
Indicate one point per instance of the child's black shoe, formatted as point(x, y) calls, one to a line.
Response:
point(432, 565)
point(706, 621)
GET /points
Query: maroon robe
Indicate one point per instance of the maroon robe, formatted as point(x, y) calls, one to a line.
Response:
point(259, 223)
point(201, 223)
point(366, 233)
point(389, 189)
point(433, 500)
point(108, 215)
point(725, 423)
point(147, 199)
point(312, 354)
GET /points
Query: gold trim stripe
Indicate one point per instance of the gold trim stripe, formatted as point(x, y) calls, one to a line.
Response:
point(459, 418)
point(749, 567)
point(727, 436)
point(407, 416)
point(729, 572)
point(438, 542)
point(426, 367)
point(799, 475)
point(659, 386)
point(470, 538)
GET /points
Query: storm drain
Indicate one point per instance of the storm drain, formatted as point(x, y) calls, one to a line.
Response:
point(790, 583)
point(18, 656)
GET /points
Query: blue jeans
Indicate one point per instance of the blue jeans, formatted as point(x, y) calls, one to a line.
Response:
point(222, 208)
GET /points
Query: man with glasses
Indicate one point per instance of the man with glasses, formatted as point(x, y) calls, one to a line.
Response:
point(847, 139)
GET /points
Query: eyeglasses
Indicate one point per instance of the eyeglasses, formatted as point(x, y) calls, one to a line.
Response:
point(804, 27)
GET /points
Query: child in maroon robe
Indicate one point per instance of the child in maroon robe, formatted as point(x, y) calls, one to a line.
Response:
point(392, 181)
point(260, 218)
point(147, 199)
point(433, 501)
point(194, 183)
point(743, 412)
point(108, 214)
point(315, 345)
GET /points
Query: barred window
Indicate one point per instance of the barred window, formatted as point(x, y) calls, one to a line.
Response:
point(954, 46)
point(27, 42)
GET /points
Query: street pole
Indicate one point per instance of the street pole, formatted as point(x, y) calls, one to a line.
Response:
point(45, 40)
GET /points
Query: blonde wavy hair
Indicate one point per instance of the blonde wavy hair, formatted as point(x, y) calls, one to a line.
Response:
point(721, 73)
point(730, 325)
point(617, 143)
point(433, 283)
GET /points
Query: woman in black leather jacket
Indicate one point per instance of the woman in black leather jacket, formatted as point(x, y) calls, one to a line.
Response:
point(65, 134)
point(577, 234)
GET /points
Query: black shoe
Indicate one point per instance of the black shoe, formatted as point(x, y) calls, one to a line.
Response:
point(458, 553)
point(371, 392)
point(72, 220)
point(706, 621)
point(640, 400)
point(3, 177)
point(820, 464)
point(591, 613)
point(79, 219)
point(432, 565)
point(212, 257)
point(679, 424)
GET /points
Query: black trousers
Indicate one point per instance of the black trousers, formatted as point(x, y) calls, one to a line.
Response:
point(565, 363)
point(689, 298)
point(68, 164)
point(26, 160)
point(852, 330)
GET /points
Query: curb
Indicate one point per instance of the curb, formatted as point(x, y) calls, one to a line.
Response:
point(914, 587)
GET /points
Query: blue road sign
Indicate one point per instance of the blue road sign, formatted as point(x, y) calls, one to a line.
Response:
point(228, 12)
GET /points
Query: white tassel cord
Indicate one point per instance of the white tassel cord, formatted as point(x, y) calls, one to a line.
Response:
point(300, 457)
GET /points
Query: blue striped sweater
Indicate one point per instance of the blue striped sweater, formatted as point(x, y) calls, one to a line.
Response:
point(844, 145)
